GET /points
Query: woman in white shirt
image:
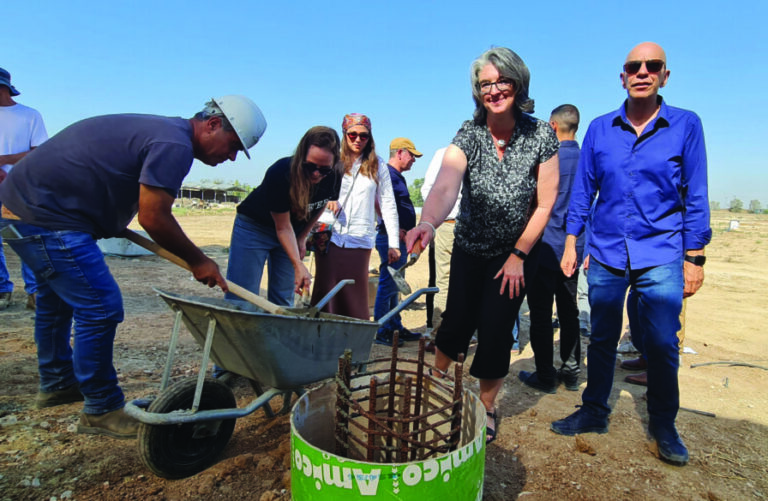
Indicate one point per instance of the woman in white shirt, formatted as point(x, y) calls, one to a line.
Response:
point(366, 182)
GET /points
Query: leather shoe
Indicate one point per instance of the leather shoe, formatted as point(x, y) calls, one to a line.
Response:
point(532, 379)
point(115, 424)
point(636, 364)
point(671, 447)
point(639, 379)
point(68, 395)
point(581, 421)
point(430, 347)
point(571, 381)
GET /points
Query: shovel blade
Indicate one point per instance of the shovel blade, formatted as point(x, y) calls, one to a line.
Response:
point(399, 279)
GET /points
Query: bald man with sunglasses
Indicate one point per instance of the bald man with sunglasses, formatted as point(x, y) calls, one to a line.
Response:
point(649, 228)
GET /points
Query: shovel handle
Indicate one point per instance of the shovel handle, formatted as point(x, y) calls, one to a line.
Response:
point(235, 289)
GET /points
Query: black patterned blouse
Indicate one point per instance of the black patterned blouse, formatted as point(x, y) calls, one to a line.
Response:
point(497, 195)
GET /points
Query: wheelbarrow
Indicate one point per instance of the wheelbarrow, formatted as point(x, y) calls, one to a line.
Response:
point(188, 425)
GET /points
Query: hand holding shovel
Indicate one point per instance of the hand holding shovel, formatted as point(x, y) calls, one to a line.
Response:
point(399, 276)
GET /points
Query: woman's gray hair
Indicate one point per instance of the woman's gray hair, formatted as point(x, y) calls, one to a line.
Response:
point(510, 66)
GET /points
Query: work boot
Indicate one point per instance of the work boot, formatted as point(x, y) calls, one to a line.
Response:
point(671, 447)
point(407, 335)
point(581, 421)
point(68, 395)
point(5, 300)
point(32, 301)
point(115, 424)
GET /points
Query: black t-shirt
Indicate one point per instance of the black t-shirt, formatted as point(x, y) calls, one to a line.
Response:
point(273, 195)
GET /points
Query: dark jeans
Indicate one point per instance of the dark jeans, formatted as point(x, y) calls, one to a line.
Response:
point(546, 285)
point(659, 295)
point(74, 286)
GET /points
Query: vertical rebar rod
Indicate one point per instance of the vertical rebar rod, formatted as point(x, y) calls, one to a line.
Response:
point(458, 404)
point(417, 425)
point(405, 415)
point(392, 388)
point(342, 406)
point(372, 397)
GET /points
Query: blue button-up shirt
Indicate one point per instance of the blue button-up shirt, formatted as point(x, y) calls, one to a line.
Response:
point(653, 202)
point(553, 240)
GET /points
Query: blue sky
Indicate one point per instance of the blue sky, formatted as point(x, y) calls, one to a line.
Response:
point(404, 64)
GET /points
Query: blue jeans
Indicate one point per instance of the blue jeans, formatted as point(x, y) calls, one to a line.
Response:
point(74, 283)
point(30, 284)
point(252, 246)
point(659, 294)
point(386, 294)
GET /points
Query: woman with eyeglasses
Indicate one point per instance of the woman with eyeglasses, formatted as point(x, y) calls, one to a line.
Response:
point(273, 222)
point(508, 161)
point(365, 184)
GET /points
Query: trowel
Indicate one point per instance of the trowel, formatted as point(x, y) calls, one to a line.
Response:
point(398, 276)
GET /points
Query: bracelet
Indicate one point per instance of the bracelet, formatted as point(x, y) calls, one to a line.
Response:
point(517, 252)
point(434, 230)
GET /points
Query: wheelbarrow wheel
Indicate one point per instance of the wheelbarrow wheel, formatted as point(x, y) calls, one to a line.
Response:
point(181, 450)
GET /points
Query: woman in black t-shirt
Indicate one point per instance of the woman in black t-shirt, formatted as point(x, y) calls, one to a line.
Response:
point(273, 222)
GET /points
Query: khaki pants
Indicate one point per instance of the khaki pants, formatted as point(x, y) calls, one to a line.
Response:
point(443, 249)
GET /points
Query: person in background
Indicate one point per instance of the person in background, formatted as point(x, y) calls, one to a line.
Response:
point(442, 244)
point(549, 282)
point(649, 228)
point(508, 162)
point(273, 221)
point(402, 155)
point(21, 131)
point(366, 182)
point(111, 168)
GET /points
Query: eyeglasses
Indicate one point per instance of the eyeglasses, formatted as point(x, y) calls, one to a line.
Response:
point(501, 86)
point(364, 136)
point(311, 168)
point(651, 65)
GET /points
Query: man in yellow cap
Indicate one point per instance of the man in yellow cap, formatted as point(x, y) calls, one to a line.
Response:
point(402, 155)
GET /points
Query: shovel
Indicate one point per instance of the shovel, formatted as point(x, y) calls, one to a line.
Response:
point(235, 289)
point(398, 275)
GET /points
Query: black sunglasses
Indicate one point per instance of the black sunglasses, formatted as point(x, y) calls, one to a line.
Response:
point(652, 65)
point(310, 167)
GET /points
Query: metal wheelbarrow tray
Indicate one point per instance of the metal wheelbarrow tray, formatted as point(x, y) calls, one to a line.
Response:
point(189, 424)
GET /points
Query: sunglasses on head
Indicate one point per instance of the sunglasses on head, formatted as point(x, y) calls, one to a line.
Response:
point(364, 136)
point(310, 167)
point(652, 65)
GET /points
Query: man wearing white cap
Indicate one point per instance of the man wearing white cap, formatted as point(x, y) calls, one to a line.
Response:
point(21, 130)
point(88, 182)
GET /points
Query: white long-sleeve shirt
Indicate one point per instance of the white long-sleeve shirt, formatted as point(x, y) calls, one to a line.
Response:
point(356, 225)
point(431, 176)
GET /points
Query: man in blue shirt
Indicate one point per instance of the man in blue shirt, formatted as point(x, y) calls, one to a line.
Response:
point(402, 155)
point(550, 282)
point(88, 182)
point(649, 228)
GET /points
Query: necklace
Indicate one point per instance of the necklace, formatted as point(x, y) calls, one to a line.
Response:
point(502, 143)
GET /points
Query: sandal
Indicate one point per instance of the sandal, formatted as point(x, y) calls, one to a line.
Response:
point(490, 433)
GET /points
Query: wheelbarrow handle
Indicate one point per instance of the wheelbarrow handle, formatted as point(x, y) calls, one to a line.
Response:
point(235, 289)
point(405, 302)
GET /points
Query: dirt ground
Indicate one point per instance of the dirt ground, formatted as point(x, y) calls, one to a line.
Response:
point(42, 458)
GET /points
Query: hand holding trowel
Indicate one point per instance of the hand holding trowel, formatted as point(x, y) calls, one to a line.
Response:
point(399, 276)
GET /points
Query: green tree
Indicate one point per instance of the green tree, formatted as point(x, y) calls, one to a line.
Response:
point(713, 205)
point(755, 207)
point(414, 191)
point(736, 205)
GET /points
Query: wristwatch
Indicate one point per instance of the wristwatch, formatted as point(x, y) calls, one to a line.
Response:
point(697, 260)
